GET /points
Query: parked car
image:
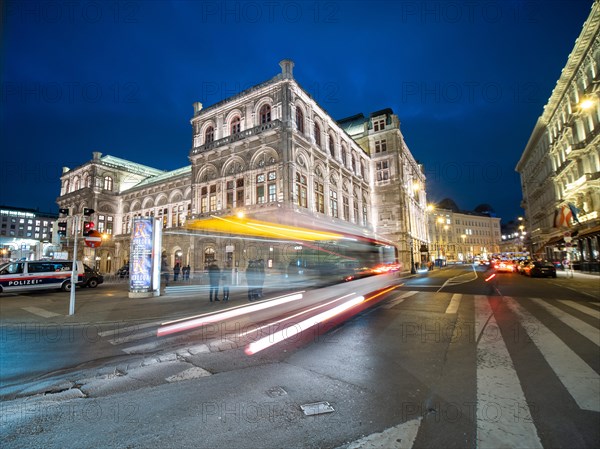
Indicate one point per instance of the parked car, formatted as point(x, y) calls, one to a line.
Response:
point(123, 272)
point(540, 269)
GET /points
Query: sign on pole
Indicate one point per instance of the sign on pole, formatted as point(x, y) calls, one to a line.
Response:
point(93, 239)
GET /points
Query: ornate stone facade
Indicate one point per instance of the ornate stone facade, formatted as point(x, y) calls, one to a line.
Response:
point(271, 153)
point(560, 167)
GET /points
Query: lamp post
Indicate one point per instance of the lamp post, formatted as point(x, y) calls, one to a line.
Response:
point(439, 221)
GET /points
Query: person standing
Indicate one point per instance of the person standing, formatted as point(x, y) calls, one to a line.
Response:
point(176, 271)
point(260, 277)
point(226, 279)
point(251, 280)
point(186, 272)
point(164, 269)
point(214, 273)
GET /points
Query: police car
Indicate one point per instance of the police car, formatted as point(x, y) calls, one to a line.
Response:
point(45, 274)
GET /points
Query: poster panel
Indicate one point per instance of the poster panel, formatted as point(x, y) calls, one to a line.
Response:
point(140, 262)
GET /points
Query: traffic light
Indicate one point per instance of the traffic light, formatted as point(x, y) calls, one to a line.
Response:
point(63, 211)
point(62, 228)
point(87, 212)
point(87, 227)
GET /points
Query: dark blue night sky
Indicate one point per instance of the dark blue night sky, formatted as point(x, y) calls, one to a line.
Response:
point(468, 80)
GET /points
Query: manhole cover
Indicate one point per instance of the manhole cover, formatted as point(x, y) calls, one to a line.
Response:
point(316, 408)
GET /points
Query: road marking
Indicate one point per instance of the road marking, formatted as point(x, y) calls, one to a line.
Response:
point(581, 308)
point(133, 337)
point(398, 300)
point(503, 416)
point(451, 281)
point(581, 381)
point(127, 330)
point(401, 436)
point(40, 312)
point(454, 303)
point(580, 326)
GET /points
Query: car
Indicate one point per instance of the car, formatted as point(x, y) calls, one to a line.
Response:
point(91, 277)
point(505, 266)
point(123, 272)
point(540, 269)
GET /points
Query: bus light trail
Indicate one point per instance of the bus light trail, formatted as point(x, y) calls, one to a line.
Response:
point(184, 324)
point(271, 340)
point(273, 323)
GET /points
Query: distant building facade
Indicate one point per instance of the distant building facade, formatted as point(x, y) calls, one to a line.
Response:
point(272, 153)
point(463, 236)
point(560, 166)
point(26, 233)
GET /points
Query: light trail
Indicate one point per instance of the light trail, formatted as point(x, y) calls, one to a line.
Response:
point(243, 334)
point(184, 324)
point(273, 339)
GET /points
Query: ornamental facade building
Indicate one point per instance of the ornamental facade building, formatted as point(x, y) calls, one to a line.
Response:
point(270, 153)
point(560, 166)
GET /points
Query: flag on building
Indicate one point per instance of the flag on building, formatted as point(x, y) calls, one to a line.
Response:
point(574, 211)
point(563, 217)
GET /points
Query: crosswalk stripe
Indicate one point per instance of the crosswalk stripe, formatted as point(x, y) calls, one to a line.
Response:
point(40, 312)
point(581, 308)
point(401, 298)
point(499, 389)
point(582, 382)
point(454, 303)
point(581, 327)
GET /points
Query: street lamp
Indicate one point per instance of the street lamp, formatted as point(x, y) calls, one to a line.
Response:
point(439, 221)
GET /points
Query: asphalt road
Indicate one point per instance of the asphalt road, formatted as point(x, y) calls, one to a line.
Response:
point(443, 359)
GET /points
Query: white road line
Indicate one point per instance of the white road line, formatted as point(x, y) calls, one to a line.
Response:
point(127, 330)
point(398, 300)
point(581, 327)
point(581, 308)
point(582, 382)
point(132, 337)
point(503, 416)
point(40, 312)
point(454, 303)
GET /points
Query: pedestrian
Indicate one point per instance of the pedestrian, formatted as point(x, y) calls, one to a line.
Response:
point(176, 271)
point(186, 272)
point(251, 280)
point(214, 273)
point(226, 280)
point(164, 269)
point(260, 277)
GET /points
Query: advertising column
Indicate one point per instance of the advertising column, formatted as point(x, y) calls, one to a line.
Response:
point(144, 262)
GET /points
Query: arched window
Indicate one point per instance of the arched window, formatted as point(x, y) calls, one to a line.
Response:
point(235, 125)
point(209, 135)
point(331, 146)
point(318, 135)
point(299, 119)
point(344, 157)
point(265, 114)
point(108, 183)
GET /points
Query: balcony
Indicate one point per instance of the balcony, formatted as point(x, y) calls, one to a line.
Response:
point(269, 126)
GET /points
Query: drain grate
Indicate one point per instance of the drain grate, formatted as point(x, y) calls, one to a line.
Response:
point(317, 408)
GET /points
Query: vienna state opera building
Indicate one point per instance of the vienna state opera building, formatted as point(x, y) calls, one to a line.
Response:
point(269, 154)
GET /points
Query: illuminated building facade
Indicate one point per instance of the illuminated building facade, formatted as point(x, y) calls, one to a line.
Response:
point(463, 236)
point(25, 233)
point(560, 166)
point(270, 153)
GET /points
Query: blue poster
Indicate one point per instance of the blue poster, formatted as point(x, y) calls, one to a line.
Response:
point(140, 264)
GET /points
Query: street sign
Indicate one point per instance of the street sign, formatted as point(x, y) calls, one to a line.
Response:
point(93, 239)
